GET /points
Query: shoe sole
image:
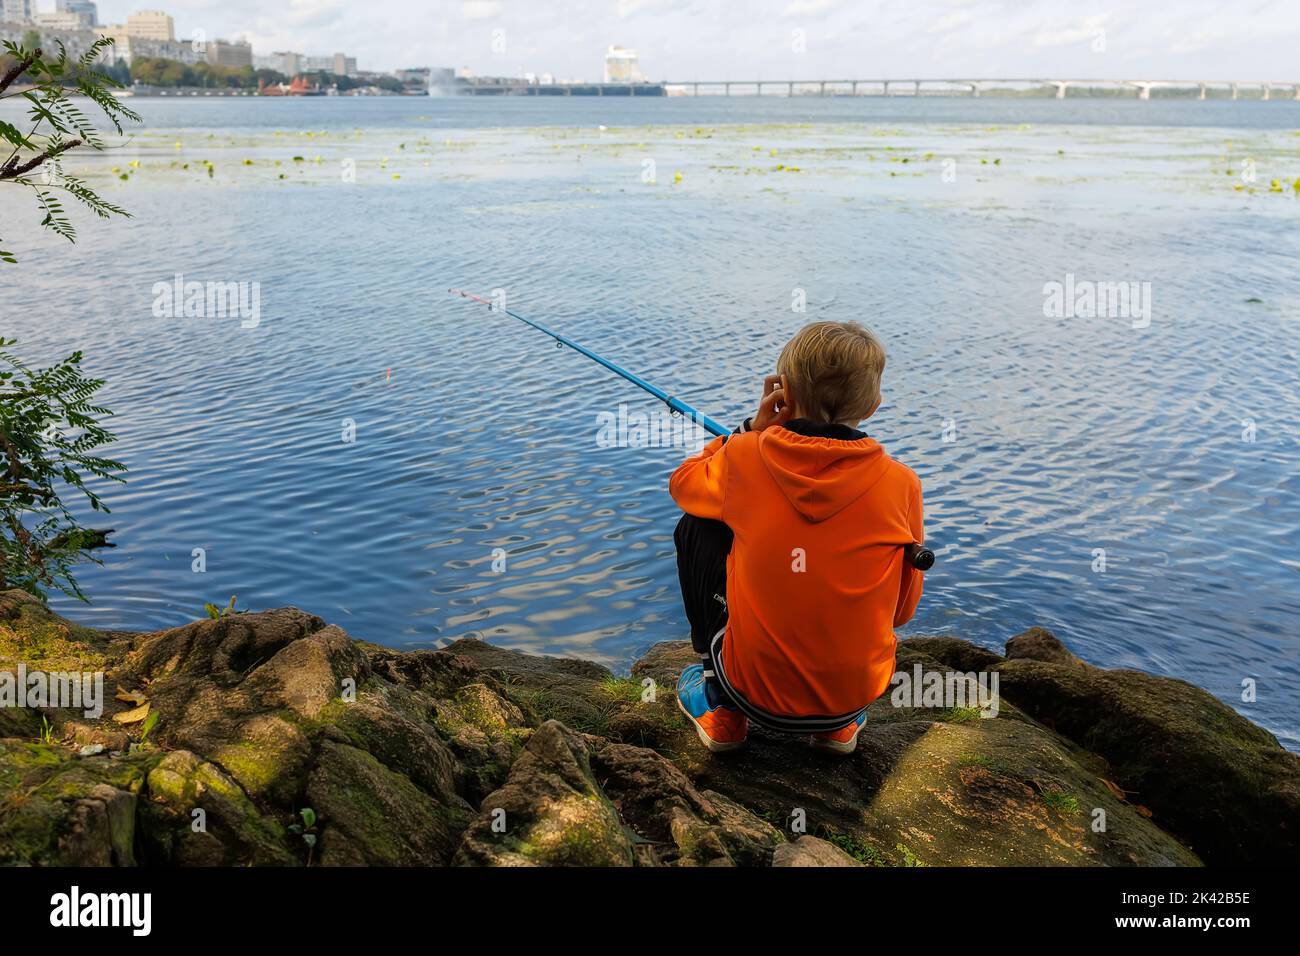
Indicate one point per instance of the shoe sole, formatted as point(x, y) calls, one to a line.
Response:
point(714, 746)
point(835, 747)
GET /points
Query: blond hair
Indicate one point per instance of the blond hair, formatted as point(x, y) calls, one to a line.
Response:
point(833, 370)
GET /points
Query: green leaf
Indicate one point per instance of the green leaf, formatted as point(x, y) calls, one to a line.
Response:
point(150, 723)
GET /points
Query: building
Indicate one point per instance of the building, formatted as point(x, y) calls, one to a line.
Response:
point(59, 20)
point(84, 10)
point(150, 25)
point(282, 61)
point(77, 42)
point(338, 64)
point(16, 11)
point(128, 49)
point(621, 66)
point(414, 76)
point(236, 53)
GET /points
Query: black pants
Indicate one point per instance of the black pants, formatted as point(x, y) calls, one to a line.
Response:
point(702, 549)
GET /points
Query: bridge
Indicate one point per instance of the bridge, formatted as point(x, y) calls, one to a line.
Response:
point(1257, 89)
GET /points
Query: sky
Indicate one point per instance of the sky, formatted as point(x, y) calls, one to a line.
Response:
point(772, 39)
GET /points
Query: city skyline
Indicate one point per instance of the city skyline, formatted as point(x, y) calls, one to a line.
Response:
point(767, 39)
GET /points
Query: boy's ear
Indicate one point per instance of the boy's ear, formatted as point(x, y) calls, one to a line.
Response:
point(874, 407)
point(788, 399)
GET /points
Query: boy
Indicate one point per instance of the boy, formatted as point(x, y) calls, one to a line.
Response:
point(790, 552)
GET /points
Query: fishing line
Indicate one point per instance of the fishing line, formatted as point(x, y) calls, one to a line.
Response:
point(919, 556)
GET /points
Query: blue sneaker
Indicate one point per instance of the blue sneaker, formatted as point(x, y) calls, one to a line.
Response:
point(721, 728)
point(844, 740)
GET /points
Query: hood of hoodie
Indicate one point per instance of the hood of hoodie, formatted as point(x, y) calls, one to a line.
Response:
point(820, 476)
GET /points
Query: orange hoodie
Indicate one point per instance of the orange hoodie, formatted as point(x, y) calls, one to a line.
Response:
point(816, 579)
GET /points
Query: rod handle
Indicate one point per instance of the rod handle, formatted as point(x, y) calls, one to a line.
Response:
point(919, 556)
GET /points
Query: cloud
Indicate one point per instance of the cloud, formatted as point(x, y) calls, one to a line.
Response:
point(310, 13)
point(630, 8)
point(479, 9)
point(1191, 43)
point(1087, 30)
point(810, 8)
point(953, 21)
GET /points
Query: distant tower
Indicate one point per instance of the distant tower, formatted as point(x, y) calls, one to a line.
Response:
point(621, 66)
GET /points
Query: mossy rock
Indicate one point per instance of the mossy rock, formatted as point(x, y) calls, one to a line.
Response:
point(58, 809)
point(1224, 785)
point(257, 722)
point(550, 812)
point(373, 816)
point(31, 633)
point(228, 829)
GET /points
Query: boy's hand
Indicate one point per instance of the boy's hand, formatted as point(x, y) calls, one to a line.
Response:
point(773, 409)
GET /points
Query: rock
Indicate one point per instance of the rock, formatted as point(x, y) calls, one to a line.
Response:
point(664, 662)
point(102, 829)
point(373, 816)
point(675, 823)
point(1040, 644)
point(477, 755)
point(550, 812)
point(1000, 791)
point(942, 787)
point(246, 691)
point(194, 814)
point(1224, 785)
point(810, 851)
point(73, 727)
point(59, 809)
point(953, 651)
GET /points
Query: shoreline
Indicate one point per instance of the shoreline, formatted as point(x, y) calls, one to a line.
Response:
point(414, 758)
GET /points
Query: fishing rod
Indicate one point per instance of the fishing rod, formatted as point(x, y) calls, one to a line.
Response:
point(676, 404)
point(919, 556)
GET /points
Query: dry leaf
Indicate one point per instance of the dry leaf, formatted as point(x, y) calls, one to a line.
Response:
point(131, 696)
point(134, 715)
point(1120, 794)
point(1143, 810)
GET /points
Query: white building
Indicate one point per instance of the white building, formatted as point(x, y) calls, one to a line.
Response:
point(84, 10)
point(129, 49)
point(621, 66)
point(338, 64)
point(16, 11)
point(150, 25)
point(76, 42)
point(58, 20)
point(281, 61)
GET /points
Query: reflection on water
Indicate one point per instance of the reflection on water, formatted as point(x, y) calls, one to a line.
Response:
point(1039, 440)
